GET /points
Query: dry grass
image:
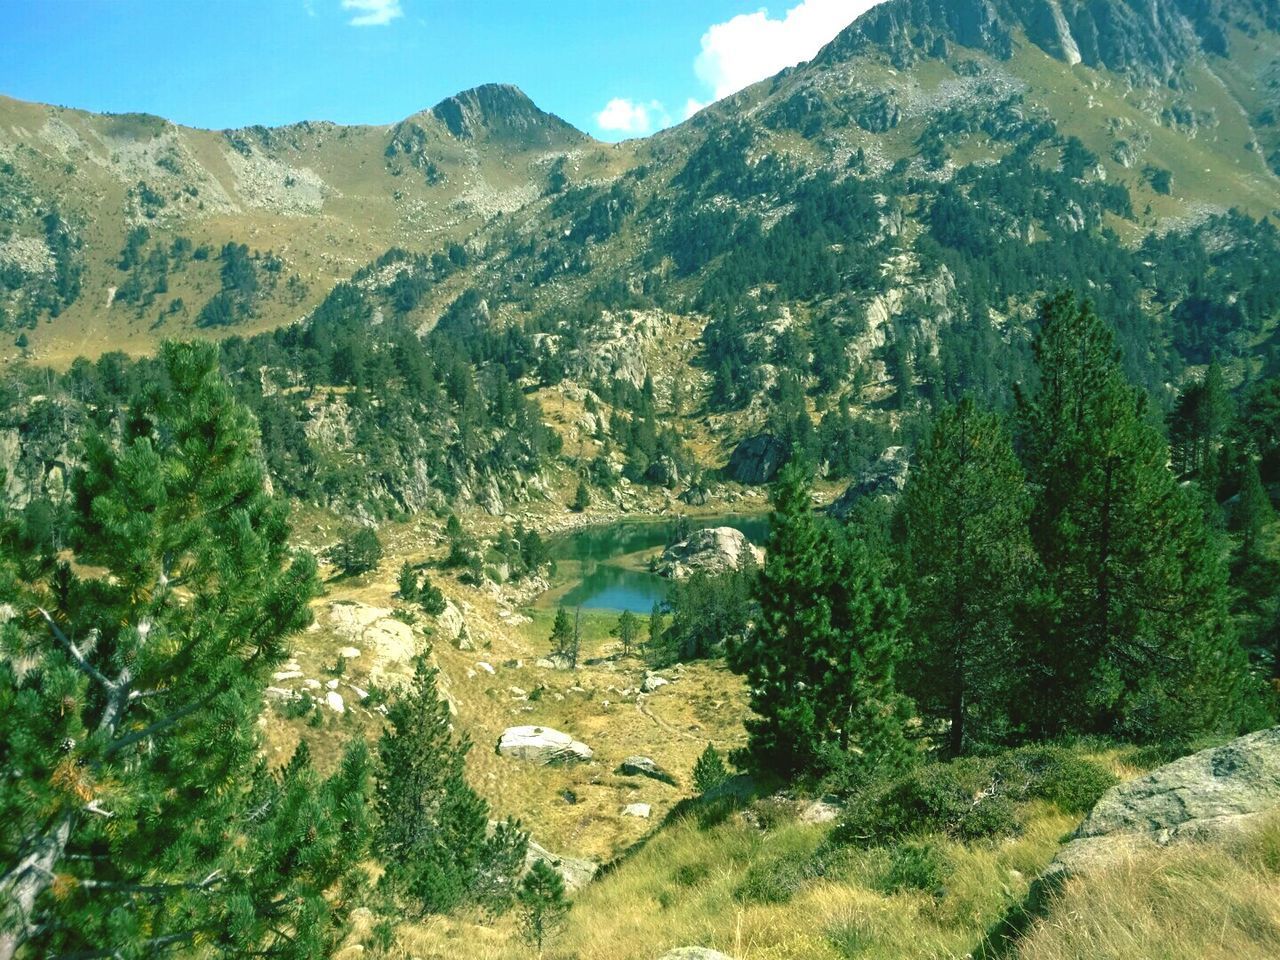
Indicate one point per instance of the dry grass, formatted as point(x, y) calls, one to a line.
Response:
point(1188, 903)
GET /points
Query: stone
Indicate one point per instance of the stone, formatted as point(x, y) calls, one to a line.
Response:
point(819, 811)
point(279, 693)
point(885, 478)
point(349, 653)
point(518, 692)
point(652, 682)
point(331, 685)
point(311, 683)
point(391, 644)
point(557, 661)
point(450, 622)
point(542, 745)
point(694, 953)
point(576, 873)
point(286, 675)
point(757, 459)
point(486, 667)
point(335, 701)
point(1209, 796)
point(645, 767)
point(640, 810)
point(713, 550)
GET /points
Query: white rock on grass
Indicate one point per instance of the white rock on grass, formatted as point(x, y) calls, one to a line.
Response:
point(542, 745)
point(486, 667)
point(286, 675)
point(335, 701)
point(640, 810)
point(653, 682)
point(349, 653)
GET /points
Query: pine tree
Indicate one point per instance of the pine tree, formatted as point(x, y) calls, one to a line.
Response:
point(967, 562)
point(407, 583)
point(130, 692)
point(565, 637)
point(358, 553)
point(582, 497)
point(1136, 634)
point(820, 657)
point(626, 630)
point(709, 771)
point(655, 652)
point(542, 904)
point(432, 831)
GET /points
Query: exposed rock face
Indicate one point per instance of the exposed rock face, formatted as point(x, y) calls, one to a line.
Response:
point(450, 622)
point(542, 745)
point(1213, 794)
point(757, 459)
point(885, 478)
point(645, 767)
point(714, 550)
point(392, 644)
point(1147, 39)
point(502, 111)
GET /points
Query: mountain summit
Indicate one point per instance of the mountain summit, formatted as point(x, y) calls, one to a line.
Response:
point(502, 111)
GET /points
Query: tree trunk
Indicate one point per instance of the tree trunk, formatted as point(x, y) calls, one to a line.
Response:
point(22, 886)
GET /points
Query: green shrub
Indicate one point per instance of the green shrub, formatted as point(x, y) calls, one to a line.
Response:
point(958, 799)
point(1069, 781)
point(914, 865)
point(709, 772)
point(774, 881)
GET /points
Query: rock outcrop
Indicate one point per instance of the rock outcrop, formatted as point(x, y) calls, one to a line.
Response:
point(542, 745)
point(575, 872)
point(392, 643)
point(1211, 795)
point(757, 459)
point(714, 550)
point(885, 478)
point(645, 767)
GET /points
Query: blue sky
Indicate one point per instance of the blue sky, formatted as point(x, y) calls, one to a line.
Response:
point(614, 68)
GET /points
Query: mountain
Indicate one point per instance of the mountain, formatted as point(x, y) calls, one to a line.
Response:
point(813, 260)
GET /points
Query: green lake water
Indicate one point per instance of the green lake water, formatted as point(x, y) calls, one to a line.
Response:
point(603, 567)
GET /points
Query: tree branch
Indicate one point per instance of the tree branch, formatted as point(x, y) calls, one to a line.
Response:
point(79, 658)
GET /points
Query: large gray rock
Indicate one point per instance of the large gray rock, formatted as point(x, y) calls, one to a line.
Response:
point(714, 550)
point(542, 745)
point(885, 478)
point(694, 953)
point(1211, 795)
point(645, 767)
point(757, 459)
point(575, 872)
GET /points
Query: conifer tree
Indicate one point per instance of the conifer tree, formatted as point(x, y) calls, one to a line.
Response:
point(627, 630)
point(564, 637)
point(432, 830)
point(709, 770)
point(967, 562)
point(1136, 635)
point(821, 655)
point(130, 690)
point(407, 582)
point(543, 905)
point(582, 497)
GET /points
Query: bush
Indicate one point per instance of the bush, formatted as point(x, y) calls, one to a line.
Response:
point(774, 881)
point(915, 865)
point(958, 799)
point(1069, 781)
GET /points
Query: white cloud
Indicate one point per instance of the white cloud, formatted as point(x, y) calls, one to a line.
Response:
point(692, 106)
point(372, 13)
point(753, 46)
point(621, 115)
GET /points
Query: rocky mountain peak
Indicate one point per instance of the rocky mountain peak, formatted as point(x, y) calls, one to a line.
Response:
point(1145, 38)
point(502, 111)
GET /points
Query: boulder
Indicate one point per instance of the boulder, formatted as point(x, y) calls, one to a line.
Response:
point(663, 472)
point(1211, 795)
point(652, 682)
point(450, 622)
point(645, 767)
point(885, 478)
point(335, 701)
point(640, 810)
point(576, 873)
point(757, 459)
point(714, 550)
point(391, 643)
point(541, 745)
point(694, 953)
